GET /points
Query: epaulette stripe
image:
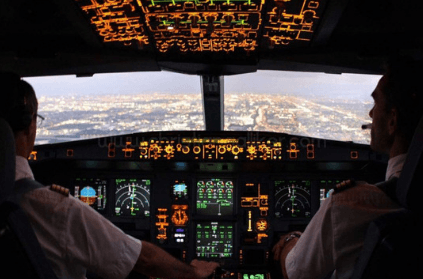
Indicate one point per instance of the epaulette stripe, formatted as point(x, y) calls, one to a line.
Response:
point(344, 185)
point(59, 189)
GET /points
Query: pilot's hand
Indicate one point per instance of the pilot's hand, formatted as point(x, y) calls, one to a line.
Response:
point(203, 269)
point(282, 243)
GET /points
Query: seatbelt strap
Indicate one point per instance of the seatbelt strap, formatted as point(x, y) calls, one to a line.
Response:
point(23, 186)
point(389, 187)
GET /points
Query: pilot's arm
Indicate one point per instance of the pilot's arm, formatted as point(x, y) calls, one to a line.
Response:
point(283, 247)
point(153, 261)
point(76, 238)
point(310, 254)
point(334, 237)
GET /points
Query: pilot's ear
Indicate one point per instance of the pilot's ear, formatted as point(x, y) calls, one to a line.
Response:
point(30, 129)
point(393, 121)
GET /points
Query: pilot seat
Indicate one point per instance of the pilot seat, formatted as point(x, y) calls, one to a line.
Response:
point(21, 255)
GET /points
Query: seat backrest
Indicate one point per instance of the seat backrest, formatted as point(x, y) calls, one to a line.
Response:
point(7, 160)
point(20, 253)
point(393, 243)
point(409, 189)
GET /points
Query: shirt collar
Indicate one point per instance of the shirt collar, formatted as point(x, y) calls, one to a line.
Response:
point(23, 170)
point(395, 165)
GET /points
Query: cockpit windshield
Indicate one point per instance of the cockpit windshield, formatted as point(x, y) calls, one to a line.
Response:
point(309, 104)
point(326, 106)
point(114, 104)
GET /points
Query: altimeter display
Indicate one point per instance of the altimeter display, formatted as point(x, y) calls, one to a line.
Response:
point(132, 197)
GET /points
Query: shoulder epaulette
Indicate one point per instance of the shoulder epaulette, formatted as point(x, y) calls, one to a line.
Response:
point(346, 184)
point(59, 189)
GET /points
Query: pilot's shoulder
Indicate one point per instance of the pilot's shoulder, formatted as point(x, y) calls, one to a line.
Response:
point(59, 189)
point(351, 184)
point(344, 185)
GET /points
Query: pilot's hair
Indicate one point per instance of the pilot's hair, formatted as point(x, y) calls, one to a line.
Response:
point(404, 91)
point(19, 105)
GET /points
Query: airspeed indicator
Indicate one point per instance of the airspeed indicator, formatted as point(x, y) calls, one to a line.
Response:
point(132, 197)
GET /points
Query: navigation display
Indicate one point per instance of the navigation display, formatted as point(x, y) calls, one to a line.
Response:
point(214, 240)
point(215, 197)
point(293, 199)
point(132, 197)
point(91, 191)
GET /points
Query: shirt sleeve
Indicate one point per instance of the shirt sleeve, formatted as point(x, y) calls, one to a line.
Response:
point(312, 256)
point(334, 238)
point(98, 244)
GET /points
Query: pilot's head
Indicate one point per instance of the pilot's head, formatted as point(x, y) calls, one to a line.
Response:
point(19, 108)
point(398, 107)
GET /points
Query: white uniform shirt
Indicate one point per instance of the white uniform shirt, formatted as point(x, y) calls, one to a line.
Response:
point(334, 237)
point(74, 236)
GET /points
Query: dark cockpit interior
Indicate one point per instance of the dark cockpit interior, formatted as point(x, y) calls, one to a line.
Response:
point(218, 195)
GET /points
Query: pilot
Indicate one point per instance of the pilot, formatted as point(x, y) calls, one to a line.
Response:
point(334, 238)
point(74, 237)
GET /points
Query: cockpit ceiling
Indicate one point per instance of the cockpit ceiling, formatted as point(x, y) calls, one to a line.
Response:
point(206, 26)
point(205, 36)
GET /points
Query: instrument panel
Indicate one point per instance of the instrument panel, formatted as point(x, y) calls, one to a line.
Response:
point(213, 205)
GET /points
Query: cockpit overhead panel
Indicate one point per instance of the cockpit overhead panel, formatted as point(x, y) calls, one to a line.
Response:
point(204, 26)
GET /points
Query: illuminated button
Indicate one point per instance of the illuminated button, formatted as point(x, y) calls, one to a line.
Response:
point(196, 149)
point(169, 149)
point(185, 149)
point(235, 150)
point(222, 150)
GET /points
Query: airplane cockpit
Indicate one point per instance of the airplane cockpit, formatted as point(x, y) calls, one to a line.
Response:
point(225, 187)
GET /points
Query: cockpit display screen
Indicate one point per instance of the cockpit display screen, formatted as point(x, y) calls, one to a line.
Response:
point(132, 197)
point(253, 276)
point(91, 191)
point(180, 190)
point(214, 239)
point(215, 197)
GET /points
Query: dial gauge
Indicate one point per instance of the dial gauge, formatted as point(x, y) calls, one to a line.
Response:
point(261, 225)
point(180, 214)
point(132, 197)
point(292, 199)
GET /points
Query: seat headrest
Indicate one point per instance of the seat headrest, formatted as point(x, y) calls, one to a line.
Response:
point(7, 160)
point(410, 183)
